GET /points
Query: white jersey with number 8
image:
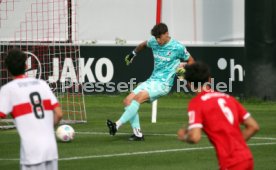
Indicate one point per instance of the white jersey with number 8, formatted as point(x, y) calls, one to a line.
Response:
point(31, 102)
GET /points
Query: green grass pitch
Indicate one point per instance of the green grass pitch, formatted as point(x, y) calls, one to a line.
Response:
point(94, 149)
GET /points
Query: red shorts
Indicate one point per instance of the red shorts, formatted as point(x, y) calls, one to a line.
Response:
point(245, 165)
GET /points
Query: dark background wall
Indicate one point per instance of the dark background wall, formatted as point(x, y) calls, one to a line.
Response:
point(226, 64)
point(260, 48)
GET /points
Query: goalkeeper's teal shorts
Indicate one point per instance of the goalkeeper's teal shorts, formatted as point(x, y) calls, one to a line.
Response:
point(155, 89)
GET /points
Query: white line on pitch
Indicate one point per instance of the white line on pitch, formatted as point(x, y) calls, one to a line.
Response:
point(150, 152)
point(160, 134)
point(264, 138)
point(152, 134)
point(134, 153)
point(141, 153)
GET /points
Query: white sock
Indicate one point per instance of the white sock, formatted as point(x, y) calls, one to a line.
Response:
point(137, 132)
point(118, 124)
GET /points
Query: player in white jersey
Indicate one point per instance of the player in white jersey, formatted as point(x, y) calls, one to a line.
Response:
point(167, 54)
point(35, 110)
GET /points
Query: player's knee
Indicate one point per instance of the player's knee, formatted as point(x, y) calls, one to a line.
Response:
point(127, 101)
point(140, 98)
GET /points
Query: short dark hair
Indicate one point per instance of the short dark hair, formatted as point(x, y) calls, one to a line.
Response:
point(197, 73)
point(159, 29)
point(15, 61)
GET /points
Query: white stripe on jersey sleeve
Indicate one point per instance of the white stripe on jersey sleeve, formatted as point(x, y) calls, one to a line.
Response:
point(5, 98)
point(197, 125)
point(247, 115)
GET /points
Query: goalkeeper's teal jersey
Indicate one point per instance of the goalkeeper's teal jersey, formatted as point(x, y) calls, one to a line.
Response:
point(166, 59)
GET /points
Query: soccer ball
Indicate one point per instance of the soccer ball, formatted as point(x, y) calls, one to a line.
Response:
point(65, 133)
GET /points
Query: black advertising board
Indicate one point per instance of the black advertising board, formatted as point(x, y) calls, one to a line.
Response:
point(102, 69)
point(108, 66)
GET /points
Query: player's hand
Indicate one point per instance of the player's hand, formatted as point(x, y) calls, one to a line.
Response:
point(129, 58)
point(180, 72)
point(181, 134)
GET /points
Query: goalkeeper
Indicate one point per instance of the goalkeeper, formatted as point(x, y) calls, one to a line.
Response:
point(167, 54)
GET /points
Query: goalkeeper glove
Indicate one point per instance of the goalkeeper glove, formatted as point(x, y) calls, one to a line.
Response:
point(129, 58)
point(180, 72)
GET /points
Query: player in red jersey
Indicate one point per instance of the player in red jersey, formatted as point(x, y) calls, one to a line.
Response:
point(219, 115)
point(35, 110)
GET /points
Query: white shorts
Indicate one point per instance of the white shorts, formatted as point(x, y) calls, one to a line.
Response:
point(49, 165)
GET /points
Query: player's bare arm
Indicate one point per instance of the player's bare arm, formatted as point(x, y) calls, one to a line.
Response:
point(192, 136)
point(190, 60)
point(140, 47)
point(57, 115)
point(129, 58)
point(251, 128)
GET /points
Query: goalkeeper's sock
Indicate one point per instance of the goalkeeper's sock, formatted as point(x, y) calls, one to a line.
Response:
point(119, 123)
point(130, 112)
point(135, 124)
point(134, 121)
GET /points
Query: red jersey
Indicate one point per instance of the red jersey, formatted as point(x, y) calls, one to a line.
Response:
point(220, 116)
